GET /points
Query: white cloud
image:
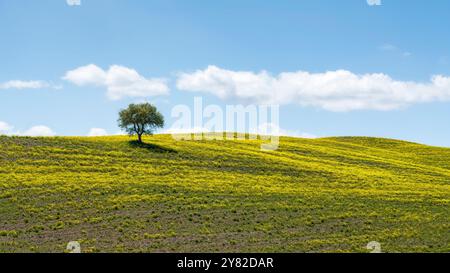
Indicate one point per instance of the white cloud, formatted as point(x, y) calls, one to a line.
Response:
point(5, 128)
point(339, 90)
point(73, 2)
point(95, 132)
point(37, 131)
point(87, 75)
point(18, 84)
point(374, 2)
point(120, 81)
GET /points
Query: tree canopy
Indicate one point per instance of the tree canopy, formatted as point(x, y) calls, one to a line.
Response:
point(140, 119)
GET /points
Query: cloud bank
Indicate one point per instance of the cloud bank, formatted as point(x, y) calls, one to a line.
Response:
point(120, 81)
point(337, 91)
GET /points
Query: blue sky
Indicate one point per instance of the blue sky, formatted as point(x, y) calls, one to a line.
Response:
point(295, 42)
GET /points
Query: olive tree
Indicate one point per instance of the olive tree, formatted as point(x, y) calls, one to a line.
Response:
point(140, 119)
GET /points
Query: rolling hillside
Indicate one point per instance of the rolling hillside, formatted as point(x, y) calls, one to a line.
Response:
point(312, 195)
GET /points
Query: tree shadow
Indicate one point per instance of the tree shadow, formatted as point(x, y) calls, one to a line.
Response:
point(151, 147)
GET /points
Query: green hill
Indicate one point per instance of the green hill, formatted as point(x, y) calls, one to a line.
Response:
point(312, 195)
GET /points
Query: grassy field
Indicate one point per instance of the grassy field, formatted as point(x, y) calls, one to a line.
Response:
point(312, 195)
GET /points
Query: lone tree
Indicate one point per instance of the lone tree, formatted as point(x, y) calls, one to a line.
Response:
point(140, 119)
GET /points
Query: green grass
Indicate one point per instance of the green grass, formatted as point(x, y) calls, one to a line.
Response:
point(312, 195)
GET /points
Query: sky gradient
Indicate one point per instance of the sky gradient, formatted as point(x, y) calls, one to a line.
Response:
point(71, 68)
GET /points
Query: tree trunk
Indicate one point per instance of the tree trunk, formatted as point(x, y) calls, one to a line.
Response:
point(140, 138)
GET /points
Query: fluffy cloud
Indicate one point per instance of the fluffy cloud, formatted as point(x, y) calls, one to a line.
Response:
point(17, 84)
point(36, 131)
point(339, 90)
point(95, 132)
point(120, 81)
